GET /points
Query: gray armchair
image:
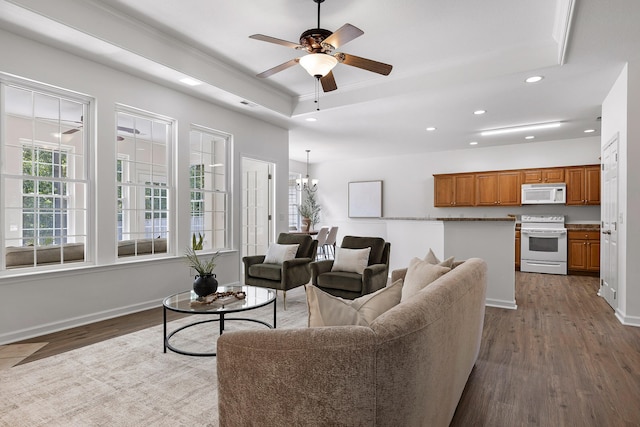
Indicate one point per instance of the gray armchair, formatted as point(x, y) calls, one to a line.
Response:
point(285, 276)
point(352, 285)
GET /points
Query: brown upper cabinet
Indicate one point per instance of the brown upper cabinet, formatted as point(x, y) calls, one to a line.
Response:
point(583, 185)
point(454, 190)
point(503, 188)
point(498, 188)
point(541, 176)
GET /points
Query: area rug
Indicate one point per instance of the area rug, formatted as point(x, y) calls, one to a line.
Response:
point(128, 380)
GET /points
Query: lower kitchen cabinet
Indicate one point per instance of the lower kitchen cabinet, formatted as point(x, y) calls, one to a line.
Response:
point(584, 251)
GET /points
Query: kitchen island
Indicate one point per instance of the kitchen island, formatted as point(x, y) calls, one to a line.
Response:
point(462, 237)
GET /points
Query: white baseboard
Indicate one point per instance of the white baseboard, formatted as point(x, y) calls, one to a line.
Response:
point(510, 305)
point(48, 328)
point(628, 320)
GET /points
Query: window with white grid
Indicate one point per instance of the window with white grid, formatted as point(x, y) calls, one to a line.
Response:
point(143, 182)
point(209, 185)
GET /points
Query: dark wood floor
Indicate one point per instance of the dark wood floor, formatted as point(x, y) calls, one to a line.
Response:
point(560, 359)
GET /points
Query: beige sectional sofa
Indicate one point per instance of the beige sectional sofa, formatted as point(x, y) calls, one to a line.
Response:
point(409, 367)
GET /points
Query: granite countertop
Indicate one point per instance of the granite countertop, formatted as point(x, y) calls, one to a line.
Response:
point(449, 219)
point(583, 227)
point(575, 227)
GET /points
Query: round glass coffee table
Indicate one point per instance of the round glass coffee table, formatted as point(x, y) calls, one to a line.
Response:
point(188, 303)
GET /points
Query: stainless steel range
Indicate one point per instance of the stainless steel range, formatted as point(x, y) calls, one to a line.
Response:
point(543, 244)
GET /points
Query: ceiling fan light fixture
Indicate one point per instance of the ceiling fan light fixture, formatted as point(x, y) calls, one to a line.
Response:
point(318, 64)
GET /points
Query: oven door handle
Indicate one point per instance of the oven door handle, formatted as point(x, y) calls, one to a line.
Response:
point(544, 234)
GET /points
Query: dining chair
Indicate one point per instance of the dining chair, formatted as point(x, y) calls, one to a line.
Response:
point(329, 245)
point(321, 237)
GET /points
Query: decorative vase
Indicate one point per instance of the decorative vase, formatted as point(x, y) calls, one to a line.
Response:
point(205, 284)
point(306, 224)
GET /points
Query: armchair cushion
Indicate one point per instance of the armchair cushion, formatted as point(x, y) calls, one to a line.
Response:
point(266, 271)
point(420, 274)
point(328, 310)
point(351, 260)
point(278, 253)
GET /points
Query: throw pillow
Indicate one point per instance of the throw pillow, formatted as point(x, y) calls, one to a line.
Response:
point(328, 310)
point(277, 253)
point(420, 274)
point(351, 260)
point(431, 258)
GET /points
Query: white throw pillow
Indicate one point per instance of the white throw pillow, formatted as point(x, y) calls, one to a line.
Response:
point(431, 258)
point(351, 260)
point(277, 253)
point(420, 274)
point(328, 310)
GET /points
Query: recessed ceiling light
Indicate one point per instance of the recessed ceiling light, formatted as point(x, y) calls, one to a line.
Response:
point(589, 130)
point(431, 128)
point(311, 119)
point(529, 137)
point(520, 128)
point(478, 112)
point(473, 143)
point(534, 79)
point(191, 82)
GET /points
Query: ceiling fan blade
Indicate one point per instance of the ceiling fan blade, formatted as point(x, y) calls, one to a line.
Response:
point(281, 42)
point(328, 82)
point(70, 131)
point(129, 130)
point(343, 35)
point(365, 64)
point(279, 68)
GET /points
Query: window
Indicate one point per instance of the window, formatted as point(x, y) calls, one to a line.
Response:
point(209, 151)
point(294, 201)
point(143, 183)
point(44, 183)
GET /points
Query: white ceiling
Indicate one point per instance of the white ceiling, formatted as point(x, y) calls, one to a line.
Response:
point(450, 59)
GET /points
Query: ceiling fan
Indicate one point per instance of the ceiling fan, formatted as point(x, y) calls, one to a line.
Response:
point(321, 58)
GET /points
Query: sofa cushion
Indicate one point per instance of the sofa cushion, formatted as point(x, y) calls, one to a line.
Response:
point(266, 271)
point(351, 260)
point(328, 310)
point(431, 258)
point(420, 274)
point(277, 253)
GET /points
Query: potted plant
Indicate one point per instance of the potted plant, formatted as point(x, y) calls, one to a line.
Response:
point(309, 209)
point(205, 282)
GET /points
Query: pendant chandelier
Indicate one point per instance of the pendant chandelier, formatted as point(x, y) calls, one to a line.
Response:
point(306, 183)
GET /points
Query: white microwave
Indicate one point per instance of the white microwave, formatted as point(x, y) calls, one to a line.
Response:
point(544, 194)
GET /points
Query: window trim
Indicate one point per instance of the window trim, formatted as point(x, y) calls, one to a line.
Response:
point(88, 178)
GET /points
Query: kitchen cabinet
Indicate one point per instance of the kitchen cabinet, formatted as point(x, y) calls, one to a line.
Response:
point(583, 185)
point(498, 188)
point(583, 251)
point(542, 176)
point(518, 243)
point(454, 190)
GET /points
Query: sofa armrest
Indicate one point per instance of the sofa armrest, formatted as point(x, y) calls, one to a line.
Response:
point(374, 277)
point(292, 377)
point(319, 267)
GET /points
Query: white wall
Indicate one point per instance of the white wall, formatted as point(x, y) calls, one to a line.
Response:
point(34, 304)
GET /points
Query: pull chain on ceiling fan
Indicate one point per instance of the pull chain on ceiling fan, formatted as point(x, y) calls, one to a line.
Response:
point(321, 59)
